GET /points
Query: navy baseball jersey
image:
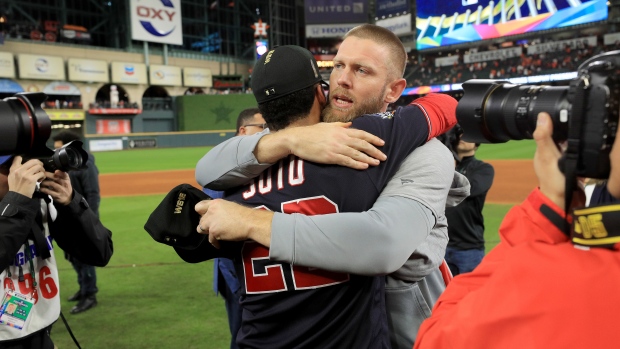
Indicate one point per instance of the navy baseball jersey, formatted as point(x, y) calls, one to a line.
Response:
point(291, 306)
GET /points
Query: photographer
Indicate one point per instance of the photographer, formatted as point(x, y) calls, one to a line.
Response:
point(37, 207)
point(85, 182)
point(465, 221)
point(539, 288)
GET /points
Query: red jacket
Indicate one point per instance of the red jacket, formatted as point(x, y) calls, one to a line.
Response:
point(534, 290)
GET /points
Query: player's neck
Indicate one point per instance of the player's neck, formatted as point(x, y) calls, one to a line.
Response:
point(307, 121)
point(313, 117)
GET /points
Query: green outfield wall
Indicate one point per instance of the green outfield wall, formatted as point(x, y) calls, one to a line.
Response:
point(211, 112)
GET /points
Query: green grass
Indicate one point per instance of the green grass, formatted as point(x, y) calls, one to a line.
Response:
point(493, 216)
point(140, 160)
point(148, 297)
point(512, 150)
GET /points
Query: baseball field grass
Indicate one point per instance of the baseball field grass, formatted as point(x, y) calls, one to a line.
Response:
point(148, 297)
point(513, 150)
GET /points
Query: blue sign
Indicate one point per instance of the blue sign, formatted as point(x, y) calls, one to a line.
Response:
point(336, 11)
point(386, 8)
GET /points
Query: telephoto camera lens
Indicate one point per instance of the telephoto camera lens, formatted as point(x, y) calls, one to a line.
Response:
point(24, 126)
point(495, 111)
point(70, 157)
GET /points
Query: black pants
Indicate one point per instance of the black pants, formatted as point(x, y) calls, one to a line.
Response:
point(37, 340)
point(87, 277)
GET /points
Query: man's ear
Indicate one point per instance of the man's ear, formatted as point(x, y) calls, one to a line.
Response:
point(320, 95)
point(395, 90)
point(242, 131)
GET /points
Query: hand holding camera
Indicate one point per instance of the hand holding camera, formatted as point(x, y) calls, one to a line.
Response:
point(551, 180)
point(23, 178)
point(58, 186)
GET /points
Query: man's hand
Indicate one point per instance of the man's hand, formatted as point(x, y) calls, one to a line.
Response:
point(23, 178)
point(225, 220)
point(326, 143)
point(58, 186)
point(551, 180)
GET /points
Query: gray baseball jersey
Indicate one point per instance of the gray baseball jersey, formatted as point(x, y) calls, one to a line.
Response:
point(408, 216)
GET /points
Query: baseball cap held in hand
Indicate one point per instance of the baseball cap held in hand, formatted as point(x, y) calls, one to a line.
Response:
point(282, 71)
point(174, 221)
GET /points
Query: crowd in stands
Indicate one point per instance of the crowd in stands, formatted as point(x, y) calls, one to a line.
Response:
point(62, 104)
point(107, 105)
point(425, 73)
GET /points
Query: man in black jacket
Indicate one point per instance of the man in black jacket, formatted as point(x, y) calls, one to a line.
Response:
point(465, 221)
point(37, 207)
point(85, 182)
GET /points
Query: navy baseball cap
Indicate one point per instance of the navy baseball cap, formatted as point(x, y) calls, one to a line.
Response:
point(5, 158)
point(282, 71)
point(174, 222)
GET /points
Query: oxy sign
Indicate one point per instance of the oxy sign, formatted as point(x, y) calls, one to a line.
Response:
point(157, 21)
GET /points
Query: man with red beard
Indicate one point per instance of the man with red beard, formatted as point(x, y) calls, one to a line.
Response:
point(367, 76)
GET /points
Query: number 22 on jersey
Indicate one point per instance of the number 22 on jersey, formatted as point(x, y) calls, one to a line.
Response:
point(265, 276)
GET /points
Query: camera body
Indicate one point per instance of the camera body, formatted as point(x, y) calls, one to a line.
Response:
point(585, 114)
point(25, 128)
point(451, 139)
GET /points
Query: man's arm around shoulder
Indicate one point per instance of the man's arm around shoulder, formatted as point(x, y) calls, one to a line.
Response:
point(244, 157)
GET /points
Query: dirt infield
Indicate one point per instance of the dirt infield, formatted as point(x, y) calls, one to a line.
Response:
point(514, 179)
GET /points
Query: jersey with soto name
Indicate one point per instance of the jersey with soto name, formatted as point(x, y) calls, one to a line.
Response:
point(291, 306)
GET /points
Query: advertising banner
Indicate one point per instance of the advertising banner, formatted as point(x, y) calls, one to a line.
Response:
point(561, 45)
point(441, 23)
point(41, 67)
point(329, 30)
point(61, 88)
point(398, 25)
point(105, 144)
point(446, 61)
point(7, 65)
point(110, 126)
point(88, 70)
point(129, 73)
point(156, 21)
point(165, 75)
point(197, 77)
point(493, 55)
point(336, 11)
point(611, 39)
point(143, 143)
point(65, 114)
point(385, 8)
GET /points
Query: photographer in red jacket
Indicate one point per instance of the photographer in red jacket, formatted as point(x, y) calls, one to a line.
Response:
point(539, 288)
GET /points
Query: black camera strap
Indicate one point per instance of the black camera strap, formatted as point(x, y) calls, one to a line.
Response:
point(37, 235)
point(571, 155)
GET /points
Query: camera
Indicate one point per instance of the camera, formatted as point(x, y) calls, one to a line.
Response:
point(451, 139)
point(24, 129)
point(584, 114)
